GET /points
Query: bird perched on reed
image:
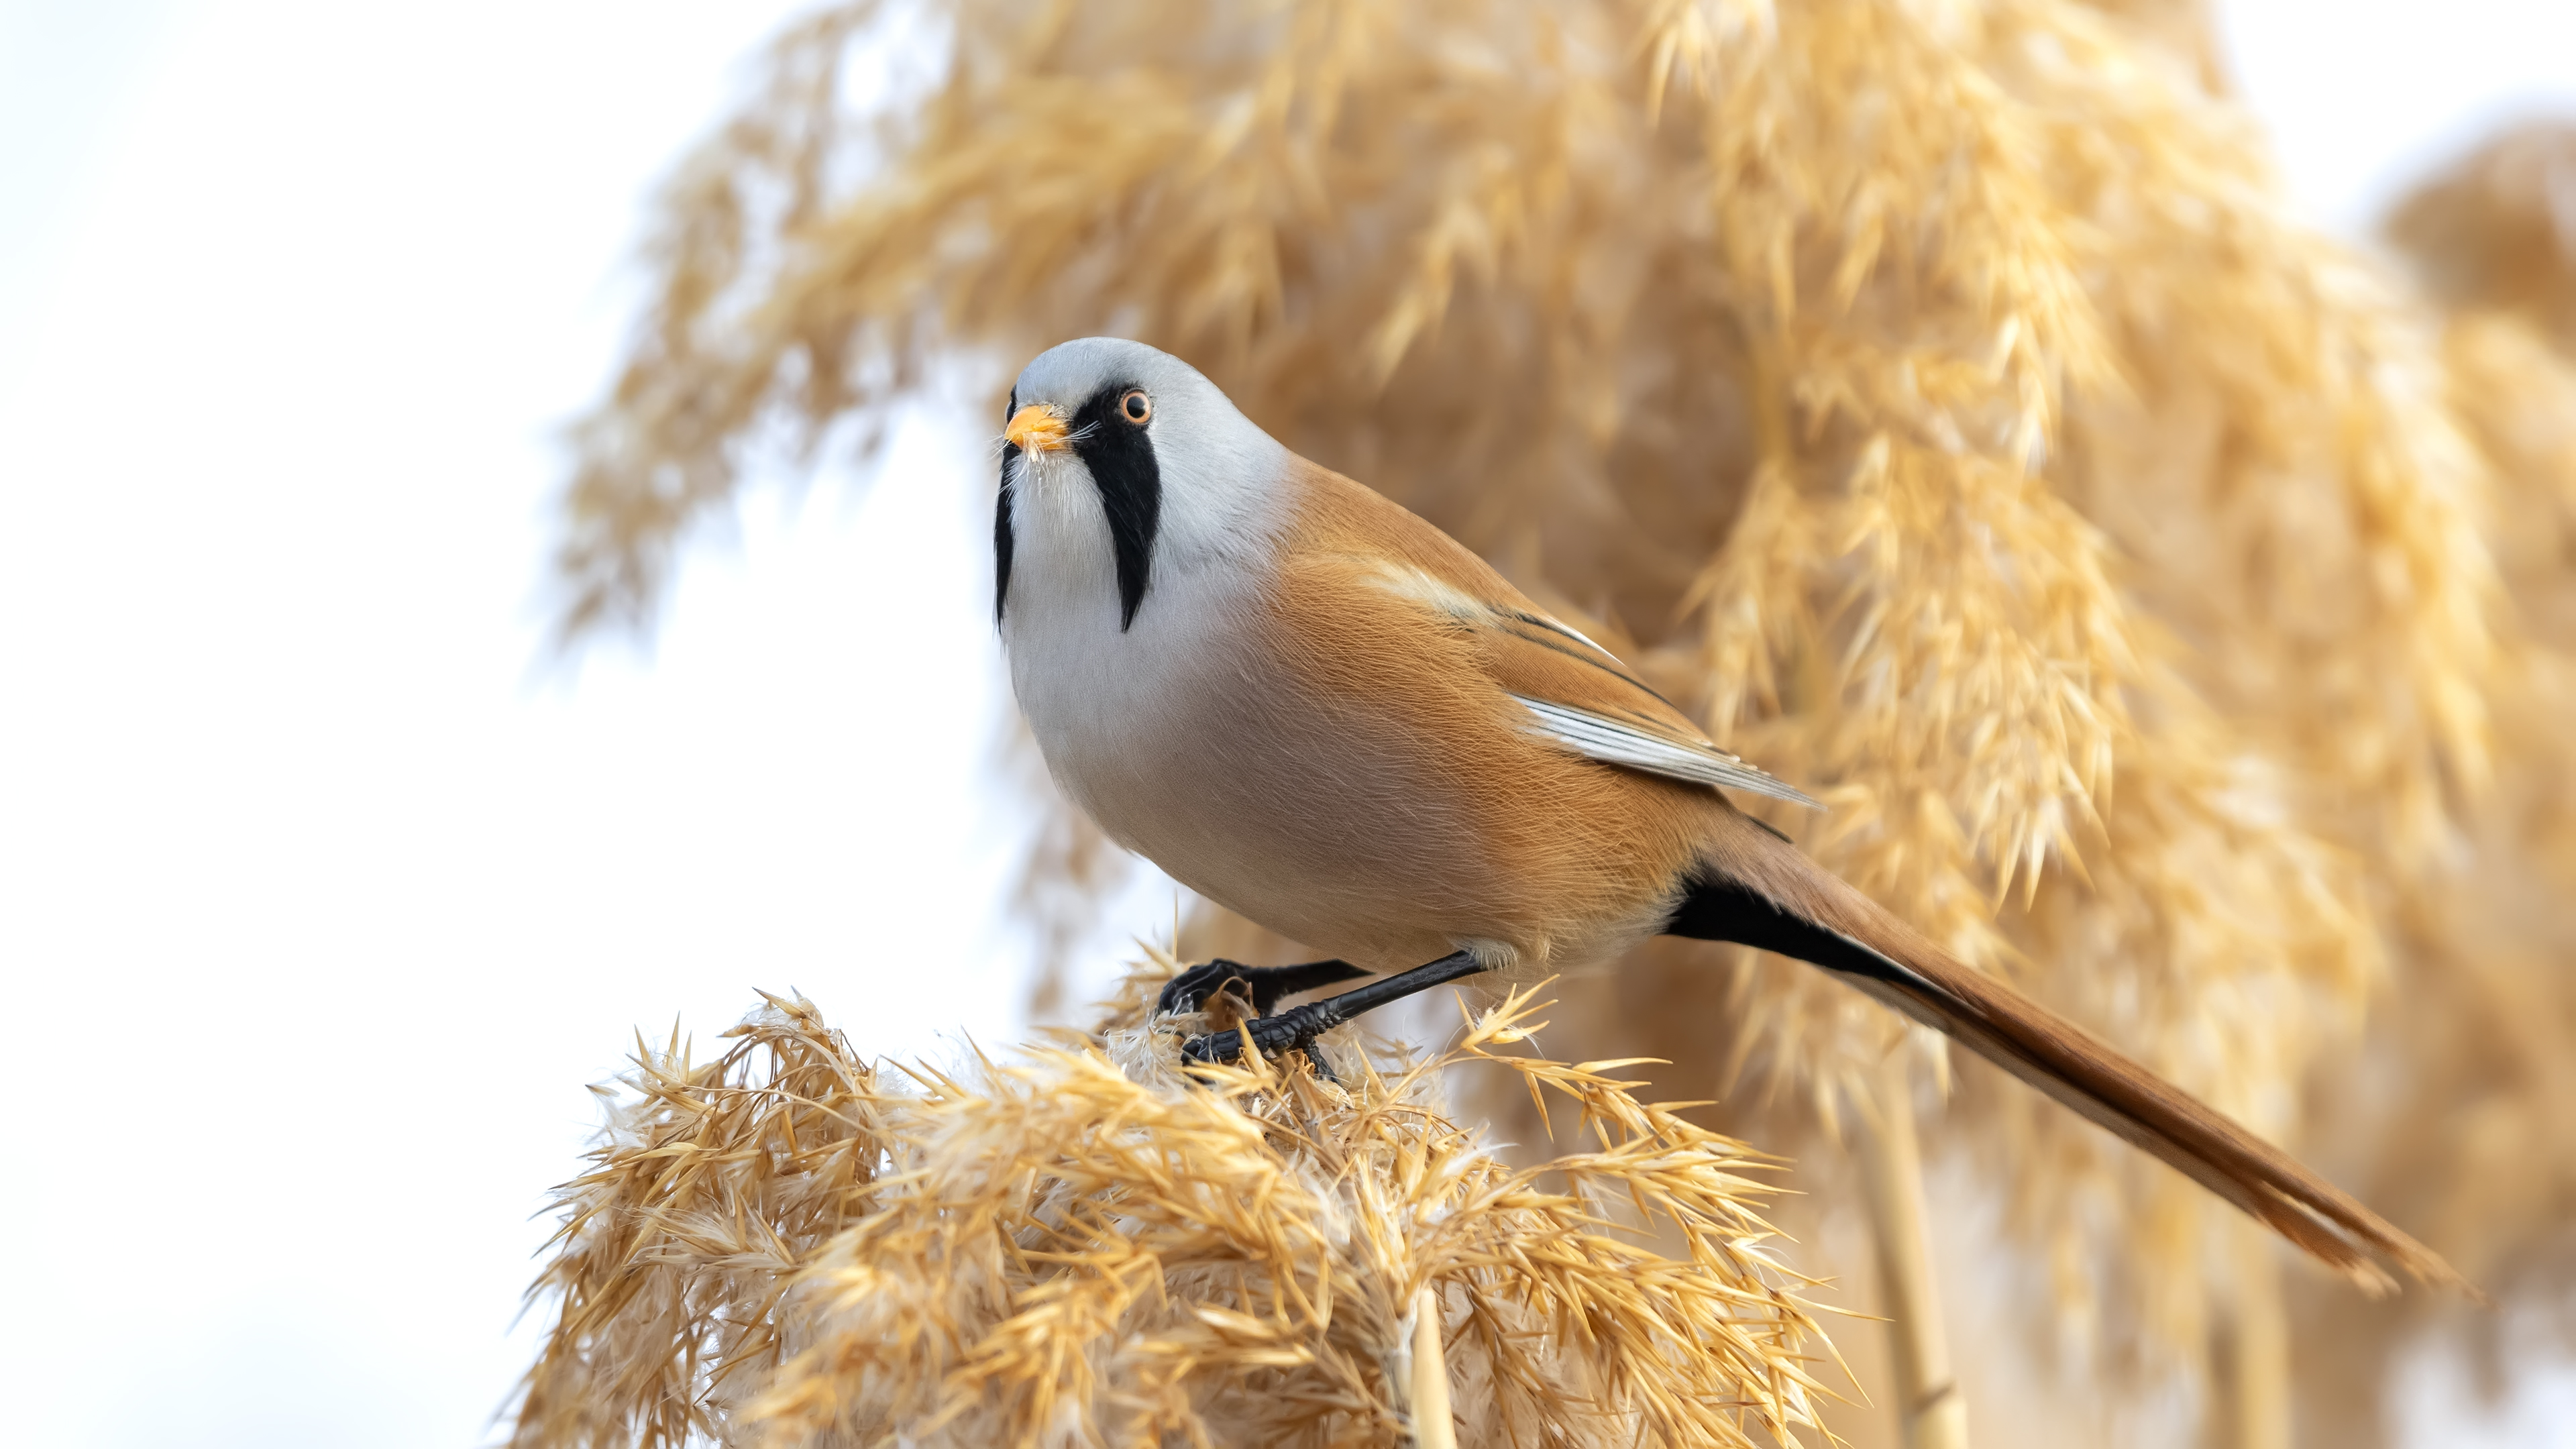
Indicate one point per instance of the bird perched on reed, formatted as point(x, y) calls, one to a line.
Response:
point(1318, 710)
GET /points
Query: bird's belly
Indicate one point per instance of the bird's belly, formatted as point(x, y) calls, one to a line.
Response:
point(1333, 826)
point(1326, 846)
point(1197, 766)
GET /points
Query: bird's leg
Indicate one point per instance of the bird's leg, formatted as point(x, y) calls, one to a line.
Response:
point(1296, 1028)
point(1265, 984)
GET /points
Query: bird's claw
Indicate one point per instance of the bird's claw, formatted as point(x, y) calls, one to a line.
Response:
point(1297, 1028)
point(1293, 1030)
point(1193, 988)
point(1262, 985)
point(1286, 1031)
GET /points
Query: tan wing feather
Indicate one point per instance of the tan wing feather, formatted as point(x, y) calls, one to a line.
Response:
point(1579, 695)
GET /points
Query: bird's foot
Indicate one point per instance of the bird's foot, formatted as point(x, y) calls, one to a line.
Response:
point(1296, 1028)
point(1263, 986)
point(1258, 988)
point(1293, 1030)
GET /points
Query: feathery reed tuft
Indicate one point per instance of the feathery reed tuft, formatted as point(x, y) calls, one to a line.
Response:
point(790, 1245)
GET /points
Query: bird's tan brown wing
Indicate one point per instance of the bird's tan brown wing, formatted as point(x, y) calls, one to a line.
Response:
point(1571, 691)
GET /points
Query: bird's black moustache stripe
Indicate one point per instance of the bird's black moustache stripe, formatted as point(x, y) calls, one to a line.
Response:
point(1002, 518)
point(1121, 459)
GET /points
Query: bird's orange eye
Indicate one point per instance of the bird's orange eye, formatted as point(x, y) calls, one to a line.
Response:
point(1136, 406)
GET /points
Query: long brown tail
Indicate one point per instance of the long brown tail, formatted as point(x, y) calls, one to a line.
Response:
point(1772, 897)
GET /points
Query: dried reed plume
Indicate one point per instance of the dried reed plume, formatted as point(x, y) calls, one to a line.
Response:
point(2497, 231)
point(1940, 397)
point(2469, 1133)
point(790, 1245)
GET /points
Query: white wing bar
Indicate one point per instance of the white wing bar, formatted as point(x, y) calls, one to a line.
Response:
point(1614, 743)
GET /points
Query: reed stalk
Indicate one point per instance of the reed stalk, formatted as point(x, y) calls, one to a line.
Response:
point(1931, 1408)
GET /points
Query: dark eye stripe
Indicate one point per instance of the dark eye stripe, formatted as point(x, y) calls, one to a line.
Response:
point(1122, 464)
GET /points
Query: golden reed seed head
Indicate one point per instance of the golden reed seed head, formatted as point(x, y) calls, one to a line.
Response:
point(795, 1245)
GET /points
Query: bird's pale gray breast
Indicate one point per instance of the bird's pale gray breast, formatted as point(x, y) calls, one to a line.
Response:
point(1125, 715)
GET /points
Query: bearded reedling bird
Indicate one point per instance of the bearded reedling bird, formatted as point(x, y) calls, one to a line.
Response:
point(1319, 711)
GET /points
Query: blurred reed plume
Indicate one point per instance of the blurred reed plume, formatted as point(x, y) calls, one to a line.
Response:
point(1939, 398)
point(2467, 1131)
point(789, 1245)
point(2497, 231)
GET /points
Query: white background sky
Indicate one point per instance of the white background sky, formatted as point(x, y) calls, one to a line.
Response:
point(318, 905)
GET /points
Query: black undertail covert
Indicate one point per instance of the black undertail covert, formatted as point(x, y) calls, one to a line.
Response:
point(1713, 908)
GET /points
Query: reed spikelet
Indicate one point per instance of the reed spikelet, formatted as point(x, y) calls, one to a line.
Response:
point(790, 1245)
point(1939, 397)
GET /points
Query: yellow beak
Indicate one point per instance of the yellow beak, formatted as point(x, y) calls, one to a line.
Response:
point(1036, 428)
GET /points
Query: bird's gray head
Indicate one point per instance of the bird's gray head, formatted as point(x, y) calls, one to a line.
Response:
point(1125, 451)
